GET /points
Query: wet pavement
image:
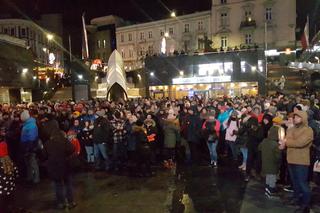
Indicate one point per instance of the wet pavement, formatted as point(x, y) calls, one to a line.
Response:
point(187, 189)
point(206, 189)
point(99, 192)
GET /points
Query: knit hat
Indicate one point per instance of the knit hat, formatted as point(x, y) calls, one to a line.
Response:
point(76, 114)
point(277, 120)
point(139, 122)
point(24, 115)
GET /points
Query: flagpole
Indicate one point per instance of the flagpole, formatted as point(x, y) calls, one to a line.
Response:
point(70, 50)
point(85, 37)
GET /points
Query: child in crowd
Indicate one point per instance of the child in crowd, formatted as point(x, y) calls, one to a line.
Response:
point(72, 137)
point(270, 154)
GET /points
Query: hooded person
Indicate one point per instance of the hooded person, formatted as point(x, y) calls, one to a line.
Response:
point(29, 143)
point(298, 142)
point(266, 124)
point(270, 155)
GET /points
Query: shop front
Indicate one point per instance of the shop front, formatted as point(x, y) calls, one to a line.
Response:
point(212, 90)
point(212, 75)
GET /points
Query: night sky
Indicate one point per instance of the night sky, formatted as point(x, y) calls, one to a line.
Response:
point(132, 10)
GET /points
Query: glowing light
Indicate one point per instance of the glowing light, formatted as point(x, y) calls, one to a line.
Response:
point(80, 77)
point(52, 58)
point(181, 73)
point(139, 77)
point(44, 49)
point(253, 68)
point(173, 14)
point(152, 74)
point(163, 46)
point(288, 51)
point(232, 85)
point(166, 34)
point(34, 77)
point(25, 70)
point(49, 37)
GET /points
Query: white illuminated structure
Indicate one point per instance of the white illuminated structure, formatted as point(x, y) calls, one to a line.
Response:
point(116, 73)
point(163, 46)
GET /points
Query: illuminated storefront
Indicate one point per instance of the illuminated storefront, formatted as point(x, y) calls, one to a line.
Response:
point(212, 75)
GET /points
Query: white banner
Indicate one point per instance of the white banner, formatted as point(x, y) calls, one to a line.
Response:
point(202, 80)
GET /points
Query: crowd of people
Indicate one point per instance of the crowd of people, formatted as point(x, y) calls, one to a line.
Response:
point(276, 137)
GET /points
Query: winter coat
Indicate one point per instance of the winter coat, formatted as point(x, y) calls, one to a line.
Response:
point(270, 153)
point(255, 136)
point(152, 132)
point(29, 131)
point(58, 151)
point(298, 142)
point(140, 140)
point(266, 127)
point(87, 136)
point(45, 129)
point(193, 128)
point(171, 133)
point(211, 130)
point(230, 132)
point(102, 132)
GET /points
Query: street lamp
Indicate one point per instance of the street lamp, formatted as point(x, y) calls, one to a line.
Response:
point(25, 70)
point(80, 77)
point(173, 14)
point(44, 49)
point(49, 37)
point(253, 68)
point(181, 73)
point(152, 74)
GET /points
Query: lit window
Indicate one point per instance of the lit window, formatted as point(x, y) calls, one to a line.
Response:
point(150, 50)
point(99, 44)
point(268, 14)
point(247, 15)
point(104, 44)
point(224, 41)
point(200, 25)
point(224, 19)
point(260, 65)
point(243, 66)
point(200, 42)
point(130, 37)
point(150, 34)
point(122, 38)
point(141, 35)
point(248, 39)
point(171, 30)
point(228, 67)
point(186, 28)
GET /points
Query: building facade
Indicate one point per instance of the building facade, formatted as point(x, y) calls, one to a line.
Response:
point(229, 25)
point(46, 46)
point(169, 36)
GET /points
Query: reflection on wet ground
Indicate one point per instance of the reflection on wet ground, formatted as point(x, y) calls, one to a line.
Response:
point(208, 190)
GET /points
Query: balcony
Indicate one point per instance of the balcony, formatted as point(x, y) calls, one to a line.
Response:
point(248, 24)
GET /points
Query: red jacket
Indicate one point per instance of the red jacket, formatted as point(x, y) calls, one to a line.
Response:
point(3, 149)
point(75, 142)
point(217, 127)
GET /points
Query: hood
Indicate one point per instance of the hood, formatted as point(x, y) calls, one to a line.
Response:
point(136, 128)
point(273, 133)
point(304, 116)
point(153, 123)
point(30, 121)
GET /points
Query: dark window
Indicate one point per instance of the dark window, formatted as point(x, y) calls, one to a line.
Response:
point(223, 1)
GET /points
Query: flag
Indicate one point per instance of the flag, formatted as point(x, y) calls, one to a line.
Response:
point(305, 36)
point(85, 47)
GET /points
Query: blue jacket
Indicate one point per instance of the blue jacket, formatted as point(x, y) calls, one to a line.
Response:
point(29, 131)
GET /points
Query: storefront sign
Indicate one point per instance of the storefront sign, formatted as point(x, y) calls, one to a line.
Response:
point(202, 80)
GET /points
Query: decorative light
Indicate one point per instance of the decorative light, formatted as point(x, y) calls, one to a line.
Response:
point(34, 77)
point(288, 51)
point(96, 78)
point(166, 34)
point(139, 77)
point(49, 37)
point(163, 46)
point(44, 49)
point(25, 70)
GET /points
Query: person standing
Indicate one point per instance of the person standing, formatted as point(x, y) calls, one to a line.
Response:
point(101, 136)
point(59, 152)
point(298, 142)
point(29, 142)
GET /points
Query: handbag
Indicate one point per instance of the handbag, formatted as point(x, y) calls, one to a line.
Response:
point(316, 166)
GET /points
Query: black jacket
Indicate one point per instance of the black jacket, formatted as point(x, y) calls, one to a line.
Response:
point(102, 132)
